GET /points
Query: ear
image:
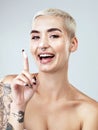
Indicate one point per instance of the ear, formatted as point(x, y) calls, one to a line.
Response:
point(73, 44)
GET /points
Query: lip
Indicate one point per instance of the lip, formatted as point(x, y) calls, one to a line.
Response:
point(45, 60)
point(49, 53)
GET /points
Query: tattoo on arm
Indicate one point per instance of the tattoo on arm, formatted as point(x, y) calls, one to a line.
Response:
point(9, 127)
point(5, 102)
point(19, 116)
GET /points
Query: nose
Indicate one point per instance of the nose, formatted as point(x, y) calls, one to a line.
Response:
point(44, 44)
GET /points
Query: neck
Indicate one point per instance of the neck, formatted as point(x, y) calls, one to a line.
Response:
point(53, 86)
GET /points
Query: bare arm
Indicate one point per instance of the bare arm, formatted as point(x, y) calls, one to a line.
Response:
point(22, 89)
point(5, 101)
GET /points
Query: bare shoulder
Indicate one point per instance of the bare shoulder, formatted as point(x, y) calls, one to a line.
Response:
point(5, 85)
point(8, 78)
point(87, 108)
point(87, 111)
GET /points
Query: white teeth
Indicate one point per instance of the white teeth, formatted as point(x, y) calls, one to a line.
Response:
point(45, 55)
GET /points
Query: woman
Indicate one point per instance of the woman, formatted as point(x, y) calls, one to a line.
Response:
point(47, 100)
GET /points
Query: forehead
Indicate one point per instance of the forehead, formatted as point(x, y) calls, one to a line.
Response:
point(46, 22)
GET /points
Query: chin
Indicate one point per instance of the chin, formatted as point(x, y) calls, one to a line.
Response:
point(46, 69)
point(49, 69)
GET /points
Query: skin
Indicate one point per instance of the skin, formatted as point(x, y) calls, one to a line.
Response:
point(53, 103)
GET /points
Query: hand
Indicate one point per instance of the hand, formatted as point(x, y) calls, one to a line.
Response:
point(24, 85)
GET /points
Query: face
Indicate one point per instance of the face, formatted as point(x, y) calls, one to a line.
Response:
point(49, 43)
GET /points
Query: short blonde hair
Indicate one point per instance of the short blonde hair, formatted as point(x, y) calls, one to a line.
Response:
point(69, 22)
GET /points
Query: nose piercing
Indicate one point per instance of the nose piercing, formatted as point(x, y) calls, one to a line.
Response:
point(43, 48)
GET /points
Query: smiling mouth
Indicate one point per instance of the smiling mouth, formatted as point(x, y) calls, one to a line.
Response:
point(46, 57)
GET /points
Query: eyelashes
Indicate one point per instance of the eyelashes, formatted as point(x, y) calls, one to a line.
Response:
point(54, 36)
point(35, 37)
point(51, 36)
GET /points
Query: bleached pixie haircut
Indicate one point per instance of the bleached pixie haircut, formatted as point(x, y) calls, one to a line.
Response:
point(69, 22)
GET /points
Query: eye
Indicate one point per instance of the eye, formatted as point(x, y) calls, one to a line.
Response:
point(35, 37)
point(54, 36)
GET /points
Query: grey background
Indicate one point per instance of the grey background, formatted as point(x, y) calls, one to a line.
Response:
point(15, 25)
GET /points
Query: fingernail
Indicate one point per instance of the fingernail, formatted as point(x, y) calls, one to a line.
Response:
point(28, 85)
point(34, 83)
point(22, 50)
point(34, 80)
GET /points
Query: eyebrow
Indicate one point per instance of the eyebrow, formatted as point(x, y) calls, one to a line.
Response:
point(34, 31)
point(49, 30)
point(53, 29)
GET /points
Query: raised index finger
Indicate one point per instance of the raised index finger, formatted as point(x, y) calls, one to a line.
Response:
point(26, 62)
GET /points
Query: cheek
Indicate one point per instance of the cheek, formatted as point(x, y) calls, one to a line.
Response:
point(61, 46)
point(63, 49)
point(33, 48)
